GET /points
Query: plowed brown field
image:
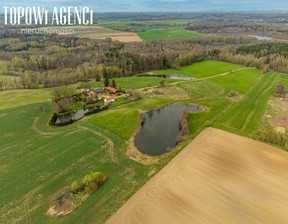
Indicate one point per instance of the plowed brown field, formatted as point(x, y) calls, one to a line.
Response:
point(120, 36)
point(218, 178)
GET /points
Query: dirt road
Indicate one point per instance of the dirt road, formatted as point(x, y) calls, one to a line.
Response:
point(218, 178)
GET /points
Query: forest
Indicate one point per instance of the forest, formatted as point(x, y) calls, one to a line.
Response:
point(41, 61)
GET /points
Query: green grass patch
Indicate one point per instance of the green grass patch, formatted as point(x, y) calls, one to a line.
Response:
point(141, 82)
point(202, 69)
point(167, 33)
point(137, 25)
point(245, 115)
point(15, 98)
point(209, 68)
point(240, 80)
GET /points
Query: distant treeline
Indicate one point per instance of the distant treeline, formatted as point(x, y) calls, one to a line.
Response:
point(56, 60)
point(51, 60)
point(279, 32)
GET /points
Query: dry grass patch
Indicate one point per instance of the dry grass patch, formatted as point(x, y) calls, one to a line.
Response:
point(170, 92)
point(279, 111)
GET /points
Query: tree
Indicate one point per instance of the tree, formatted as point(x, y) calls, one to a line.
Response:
point(280, 90)
point(62, 105)
point(106, 82)
point(58, 92)
point(113, 83)
point(75, 186)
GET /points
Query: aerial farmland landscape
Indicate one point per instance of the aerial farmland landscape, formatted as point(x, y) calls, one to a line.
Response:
point(133, 112)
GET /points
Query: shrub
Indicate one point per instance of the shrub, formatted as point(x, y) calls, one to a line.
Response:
point(89, 184)
point(280, 91)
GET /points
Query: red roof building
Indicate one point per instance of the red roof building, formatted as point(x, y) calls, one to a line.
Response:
point(109, 100)
point(92, 95)
point(111, 90)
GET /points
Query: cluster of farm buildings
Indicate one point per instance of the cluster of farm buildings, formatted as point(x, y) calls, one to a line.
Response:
point(97, 94)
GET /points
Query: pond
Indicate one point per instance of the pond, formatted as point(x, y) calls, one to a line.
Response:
point(160, 128)
point(262, 38)
point(169, 77)
point(75, 116)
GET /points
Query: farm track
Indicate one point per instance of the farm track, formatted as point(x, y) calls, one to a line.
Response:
point(226, 109)
point(109, 141)
point(253, 111)
point(43, 133)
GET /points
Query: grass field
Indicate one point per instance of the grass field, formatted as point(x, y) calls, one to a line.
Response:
point(202, 69)
point(144, 25)
point(32, 170)
point(141, 82)
point(15, 98)
point(177, 32)
point(240, 80)
point(245, 115)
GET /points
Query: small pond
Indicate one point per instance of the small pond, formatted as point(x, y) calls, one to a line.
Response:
point(77, 115)
point(169, 77)
point(262, 38)
point(160, 128)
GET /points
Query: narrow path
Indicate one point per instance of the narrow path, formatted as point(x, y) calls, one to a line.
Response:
point(253, 111)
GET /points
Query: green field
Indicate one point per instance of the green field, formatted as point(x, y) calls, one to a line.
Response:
point(153, 29)
point(36, 160)
point(141, 82)
point(167, 33)
point(202, 69)
point(15, 98)
point(244, 116)
point(241, 80)
point(144, 25)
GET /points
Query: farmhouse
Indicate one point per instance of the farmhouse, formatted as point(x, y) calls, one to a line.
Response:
point(111, 90)
point(109, 100)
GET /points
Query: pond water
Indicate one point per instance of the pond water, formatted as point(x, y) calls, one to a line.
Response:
point(170, 77)
point(262, 38)
point(160, 128)
point(77, 115)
